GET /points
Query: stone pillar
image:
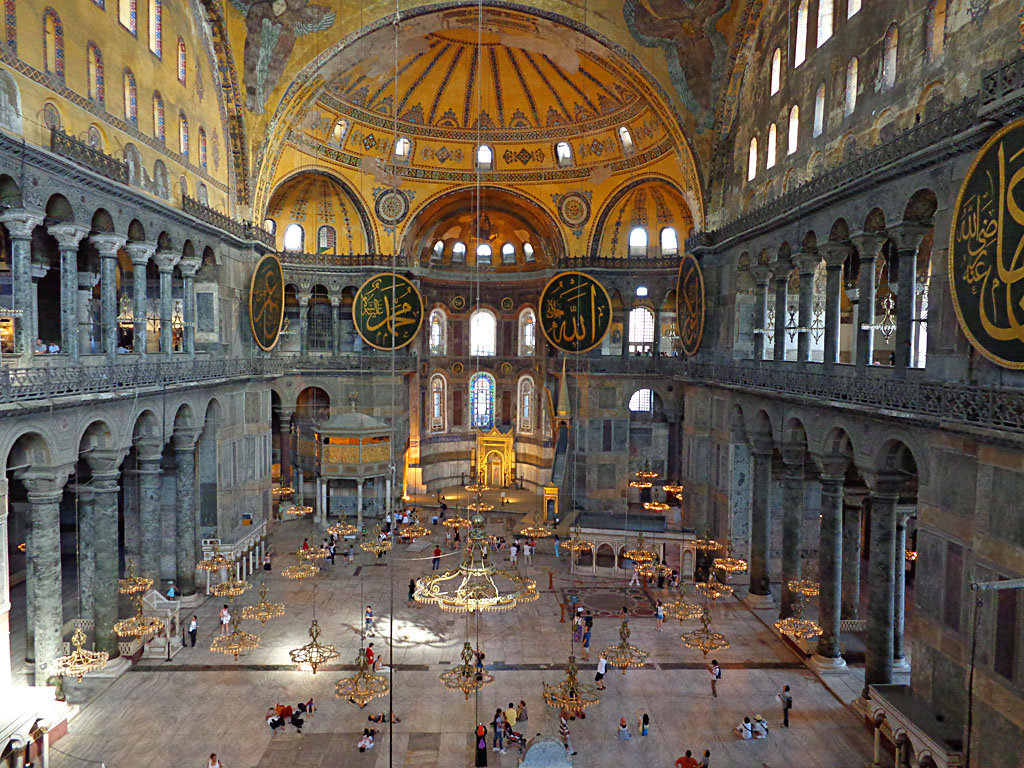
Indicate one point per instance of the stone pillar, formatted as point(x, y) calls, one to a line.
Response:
point(656, 348)
point(336, 324)
point(359, 504)
point(762, 277)
point(140, 254)
point(830, 560)
point(87, 343)
point(780, 275)
point(907, 237)
point(869, 245)
point(108, 245)
point(674, 457)
point(149, 474)
point(185, 506)
point(45, 487)
point(850, 608)
point(165, 261)
point(881, 576)
point(68, 237)
point(806, 262)
point(284, 419)
point(899, 656)
point(835, 255)
point(86, 555)
point(760, 531)
point(106, 546)
point(303, 324)
point(792, 523)
point(189, 266)
point(26, 325)
point(5, 594)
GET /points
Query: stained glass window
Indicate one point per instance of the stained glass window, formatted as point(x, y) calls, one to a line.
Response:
point(481, 401)
point(182, 61)
point(437, 403)
point(202, 146)
point(127, 14)
point(131, 98)
point(183, 133)
point(159, 130)
point(156, 27)
point(525, 405)
point(53, 43)
point(438, 335)
point(94, 72)
point(527, 333)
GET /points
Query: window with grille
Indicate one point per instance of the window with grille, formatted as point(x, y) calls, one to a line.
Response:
point(320, 329)
point(481, 401)
point(641, 330)
point(437, 403)
point(642, 401)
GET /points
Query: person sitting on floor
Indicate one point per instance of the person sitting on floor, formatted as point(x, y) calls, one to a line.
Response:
point(760, 727)
point(366, 742)
point(744, 730)
point(296, 720)
point(274, 720)
point(380, 717)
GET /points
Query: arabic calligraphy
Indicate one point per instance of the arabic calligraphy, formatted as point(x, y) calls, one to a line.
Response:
point(388, 311)
point(690, 305)
point(986, 253)
point(575, 312)
point(266, 302)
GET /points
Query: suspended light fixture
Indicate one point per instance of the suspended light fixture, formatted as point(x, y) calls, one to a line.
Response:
point(377, 544)
point(479, 506)
point(80, 661)
point(230, 587)
point(570, 694)
point(639, 553)
point(263, 611)
point(313, 554)
point(730, 564)
point(466, 677)
point(624, 655)
point(282, 490)
point(125, 314)
point(703, 639)
point(341, 530)
point(364, 686)
point(302, 571)
point(639, 484)
point(132, 584)
point(215, 562)
point(413, 531)
point(477, 487)
point(713, 589)
point(138, 625)
point(671, 488)
point(535, 531)
point(299, 510)
point(646, 473)
point(456, 522)
point(313, 654)
point(655, 506)
point(805, 587)
point(796, 626)
point(577, 543)
point(706, 543)
point(236, 641)
point(682, 609)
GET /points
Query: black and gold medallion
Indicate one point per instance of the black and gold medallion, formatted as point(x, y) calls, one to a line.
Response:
point(388, 311)
point(266, 302)
point(690, 305)
point(575, 312)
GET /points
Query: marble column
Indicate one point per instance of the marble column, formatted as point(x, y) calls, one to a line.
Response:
point(30, 600)
point(149, 474)
point(165, 261)
point(45, 487)
point(899, 656)
point(5, 594)
point(336, 324)
point(185, 506)
point(26, 325)
point(284, 419)
point(140, 254)
point(68, 236)
point(106, 547)
point(762, 277)
point(108, 245)
point(792, 524)
point(835, 255)
point(86, 556)
point(303, 324)
point(852, 510)
point(806, 262)
point(760, 530)
point(189, 266)
point(907, 238)
point(830, 560)
point(674, 457)
point(84, 303)
point(656, 348)
point(881, 576)
point(359, 504)
point(869, 245)
point(780, 275)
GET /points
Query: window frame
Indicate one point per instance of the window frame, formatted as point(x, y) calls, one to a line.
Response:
point(294, 227)
point(438, 413)
point(852, 83)
point(752, 159)
point(526, 399)
point(477, 347)
point(819, 111)
point(484, 165)
point(563, 154)
point(635, 249)
point(482, 418)
point(437, 319)
point(775, 76)
point(155, 26)
point(793, 130)
point(527, 327)
point(771, 153)
point(800, 38)
point(826, 17)
point(640, 332)
point(643, 397)
point(674, 251)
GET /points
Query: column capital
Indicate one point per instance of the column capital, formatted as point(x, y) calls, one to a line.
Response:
point(189, 266)
point(807, 262)
point(185, 438)
point(165, 259)
point(68, 236)
point(908, 235)
point(20, 223)
point(149, 449)
point(762, 275)
point(104, 461)
point(781, 268)
point(140, 252)
point(831, 469)
point(45, 485)
point(835, 253)
point(108, 244)
point(761, 444)
point(794, 455)
point(868, 244)
point(885, 484)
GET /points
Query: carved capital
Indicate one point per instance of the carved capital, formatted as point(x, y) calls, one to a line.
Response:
point(149, 448)
point(762, 444)
point(104, 463)
point(189, 266)
point(885, 485)
point(185, 438)
point(793, 456)
point(835, 254)
point(762, 275)
point(20, 223)
point(868, 244)
point(140, 252)
point(68, 236)
point(165, 259)
point(108, 244)
point(781, 269)
point(806, 262)
point(908, 235)
point(45, 485)
point(832, 469)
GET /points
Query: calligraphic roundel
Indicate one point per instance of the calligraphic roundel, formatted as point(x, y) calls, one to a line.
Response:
point(266, 302)
point(690, 305)
point(388, 311)
point(986, 249)
point(575, 312)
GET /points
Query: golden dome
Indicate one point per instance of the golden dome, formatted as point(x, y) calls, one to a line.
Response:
point(329, 219)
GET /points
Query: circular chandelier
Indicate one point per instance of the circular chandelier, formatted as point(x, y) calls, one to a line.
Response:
point(535, 531)
point(646, 473)
point(456, 522)
point(655, 506)
point(301, 571)
point(639, 553)
point(730, 564)
point(466, 677)
point(364, 686)
point(413, 531)
point(376, 545)
point(477, 487)
point(341, 530)
point(653, 570)
point(80, 661)
point(682, 609)
point(138, 625)
point(299, 510)
point(577, 543)
point(230, 587)
point(263, 611)
point(236, 641)
point(215, 562)
point(671, 488)
point(706, 544)
point(713, 589)
point(805, 587)
point(476, 585)
point(639, 484)
point(282, 490)
point(314, 653)
point(479, 506)
point(132, 584)
point(703, 639)
point(796, 626)
point(313, 554)
point(570, 694)
point(623, 656)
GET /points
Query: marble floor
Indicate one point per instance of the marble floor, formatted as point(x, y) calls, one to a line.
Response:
point(176, 713)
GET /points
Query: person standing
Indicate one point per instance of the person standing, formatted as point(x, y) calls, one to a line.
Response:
point(214, 762)
point(522, 715)
point(563, 731)
point(435, 562)
point(659, 614)
point(513, 554)
point(624, 733)
point(371, 657)
point(225, 619)
point(787, 704)
point(634, 580)
point(705, 762)
point(193, 628)
point(498, 739)
point(172, 593)
point(686, 761)
point(528, 551)
point(557, 543)
point(368, 621)
point(412, 591)
point(266, 561)
point(643, 723)
point(481, 746)
point(586, 643)
point(348, 555)
point(332, 550)
point(716, 674)
point(602, 666)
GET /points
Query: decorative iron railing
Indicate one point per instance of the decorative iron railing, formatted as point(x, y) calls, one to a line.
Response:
point(630, 263)
point(382, 260)
point(97, 161)
point(243, 230)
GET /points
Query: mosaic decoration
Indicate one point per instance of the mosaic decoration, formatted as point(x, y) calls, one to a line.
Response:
point(523, 156)
point(156, 25)
point(11, 26)
point(388, 311)
point(266, 302)
point(442, 154)
point(458, 368)
point(158, 117)
point(575, 312)
point(574, 210)
point(507, 303)
point(97, 59)
point(392, 206)
point(459, 302)
point(690, 305)
point(131, 97)
point(506, 368)
point(51, 117)
point(984, 254)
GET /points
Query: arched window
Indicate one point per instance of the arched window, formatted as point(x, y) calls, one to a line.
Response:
point(752, 160)
point(852, 7)
point(642, 401)
point(508, 254)
point(131, 98)
point(320, 320)
point(438, 409)
point(438, 251)
point(339, 130)
point(269, 225)
point(53, 43)
point(769, 161)
point(294, 238)
point(94, 72)
point(526, 406)
point(127, 14)
point(527, 333)
point(626, 139)
point(183, 134)
point(776, 75)
point(851, 87)
point(641, 330)
point(438, 332)
point(935, 29)
point(156, 27)
point(528, 252)
point(819, 110)
point(563, 154)
point(481, 401)
point(892, 37)
point(483, 333)
point(459, 251)
point(326, 239)
point(483, 254)
point(182, 62)
point(669, 242)
point(202, 146)
point(824, 21)
point(638, 241)
point(484, 157)
point(800, 45)
point(403, 148)
point(159, 129)
point(794, 129)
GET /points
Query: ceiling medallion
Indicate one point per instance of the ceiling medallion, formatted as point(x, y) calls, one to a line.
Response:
point(459, 302)
point(392, 206)
point(507, 303)
point(574, 209)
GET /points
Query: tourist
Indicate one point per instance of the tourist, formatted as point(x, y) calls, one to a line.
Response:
point(602, 666)
point(744, 730)
point(448, 538)
point(513, 554)
point(787, 704)
point(412, 591)
point(348, 555)
point(659, 614)
point(307, 708)
point(193, 628)
point(380, 717)
point(225, 619)
point(716, 674)
point(624, 733)
point(634, 580)
point(456, 540)
point(296, 720)
point(760, 727)
point(643, 723)
point(528, 552)
point(305, 544)
point(511, 715)
point(368, 621)
point(274, 720)
point(557, 543)
point(521, 714)
point(331, 550)
point(171, 591)
point(705, 762)
point(686, 761)
point(435, 562)
point(481, 746)
point(478, 661)
point(498, 744)
point(40, 347)
point(588, 620)
point(563, 731)
point(214, 762)
point(371, 657)
point(586, 643)
point(366, 742)
point(266, 562)
point(624, 615)
point(577, 628)
point(54, 348)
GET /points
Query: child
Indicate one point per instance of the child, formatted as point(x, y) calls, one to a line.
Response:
point(624, 733)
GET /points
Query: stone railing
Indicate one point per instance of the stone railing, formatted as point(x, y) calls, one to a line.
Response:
point(244, 230)
point(290, 259)
point(630, 263)
point(1005, 79)
point(81, 153)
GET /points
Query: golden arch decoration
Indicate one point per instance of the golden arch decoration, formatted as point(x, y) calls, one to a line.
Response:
point(498, 447)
